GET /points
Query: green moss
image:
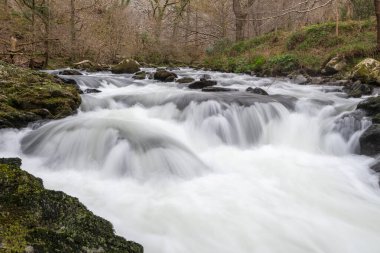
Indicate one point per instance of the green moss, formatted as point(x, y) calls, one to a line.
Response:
point(49, 221)
point(28, 95)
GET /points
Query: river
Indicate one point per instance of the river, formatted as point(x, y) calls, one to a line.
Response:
point(185, 171)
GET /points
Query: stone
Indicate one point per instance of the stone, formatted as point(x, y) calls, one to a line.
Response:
point(370, 141)
point(300, 79)
point(185, 80)
point(202, 84)
point(257, 90)
point(139, 75)
point(357, 89)
point(164, 75)
point(334, 66)
point(70, 72)
point(371, 106)
point(89, 91)
point(218, 89)
point(367, 71)
point(127, 66)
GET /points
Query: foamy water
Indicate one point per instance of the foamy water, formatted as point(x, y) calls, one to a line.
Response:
point(182, 171)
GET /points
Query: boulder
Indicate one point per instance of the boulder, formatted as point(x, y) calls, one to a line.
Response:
point(357, 89)
point(367, 71)
point(90, 66)
point(69, 72)
point(164, 76)
point(371, 106)
point(370, 141)
point(334, 66)
point(218, 89)
point(89, 91)
point(185, 80)
point(202, 84)
point(139, 75)
point(300, 79)
point(126, 66)
point(257, 90)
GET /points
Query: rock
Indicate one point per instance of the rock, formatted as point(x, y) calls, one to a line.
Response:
point(89, 91)
point(37, 63)
point(90, 66)
point(38, 96)
point(357, 89)
point(172, 68)
point(202, 84)
point(257, 90)
point(70, 72)
point(371, 106)
point(218, 89)
point(300, 79)
point(367, 71)
point(376, 167)
point(11, 161)
point(185, 80)
point(334, 66)
point(370, 141)
point(126, 66)
point(317, 80)
point(34, 219)
point(139, 75)
point(205, 77)
point(164, 75)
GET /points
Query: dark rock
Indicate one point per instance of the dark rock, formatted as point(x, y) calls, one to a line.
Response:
point(126, 66)
point(185, 80)
point(357, 89)
point(205, 77)
point(376, 167)
point(370, 141)
point(139, 75)
point(89, 91)
point(11, 161)
point(33, 218)
point(164, 75)
point(36, 63)
point(371, 106)
point(202, 84)
point(70, 72)
point(218, 89)
point(257, 90)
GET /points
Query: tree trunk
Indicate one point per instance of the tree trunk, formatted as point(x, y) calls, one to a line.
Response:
point(240, 25)
point(377, 9)
point(241, 17)
point(72, 31)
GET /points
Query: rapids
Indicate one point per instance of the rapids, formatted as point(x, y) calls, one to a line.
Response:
point(181, 171)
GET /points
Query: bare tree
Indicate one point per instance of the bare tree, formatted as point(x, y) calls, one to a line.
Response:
point(241, 13)
point(377, 9)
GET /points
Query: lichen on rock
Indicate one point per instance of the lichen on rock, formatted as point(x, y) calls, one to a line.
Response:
point(27, 96)
point(33, 219)
point(367, 71)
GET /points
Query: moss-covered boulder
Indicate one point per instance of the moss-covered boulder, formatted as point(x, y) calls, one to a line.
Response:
point(126, 66)
point(335, 65)
point(27, 96)
point(367, 71)
point(164, 75)
point(33, 219)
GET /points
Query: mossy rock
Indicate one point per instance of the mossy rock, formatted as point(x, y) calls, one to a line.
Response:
point(126, 66)
point(27, 96)
point(41, 220)
point(367, 71)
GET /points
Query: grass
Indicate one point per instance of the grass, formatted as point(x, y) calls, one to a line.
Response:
point(284, 52)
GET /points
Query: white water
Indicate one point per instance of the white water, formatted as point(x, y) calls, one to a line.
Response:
point(182, 171)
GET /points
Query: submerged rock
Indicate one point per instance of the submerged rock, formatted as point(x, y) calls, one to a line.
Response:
point(34, 219)
point(126, 66)
point(89, 91)
point(28, 96)
point(164, 75)
point(218, 89)
point(367, 71)
point(185, 80)
point(257, 90)
point(202, 84)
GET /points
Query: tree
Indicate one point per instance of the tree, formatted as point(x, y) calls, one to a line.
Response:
point(377, 9)
point(241, 13)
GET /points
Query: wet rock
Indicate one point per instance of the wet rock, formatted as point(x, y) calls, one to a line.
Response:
point(34, 219)
point(139, 75)
point(70, 72)
point(257, 90)
point(218, 89)
point(11, 161)
point(367, 71)
point(202, 84)
point(371, 106)
point(185, 80)
point(376, 167)
point(205, 77)
point(300, 79)
point(370, 141)
point(357, 89)
point(164, 75)
point(127, 66)
point(334, 66)
point(89, 91)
